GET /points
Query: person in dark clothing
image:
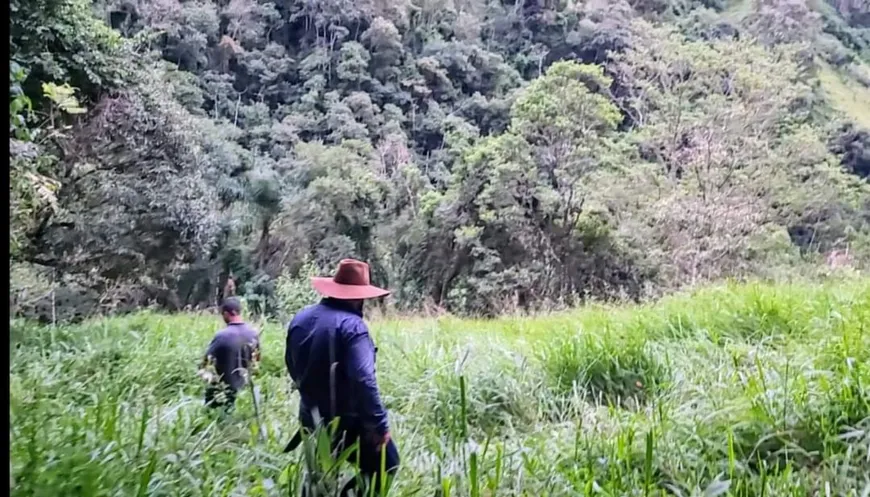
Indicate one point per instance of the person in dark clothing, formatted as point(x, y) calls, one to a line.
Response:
point(231, 353)
point(331, 359)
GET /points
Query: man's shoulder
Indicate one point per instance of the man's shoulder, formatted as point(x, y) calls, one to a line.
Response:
point(321, 309)
point(234, 330)
point(353, 324)
point(222, 334)
point(248, 329)
point(302, 314)
point(339, 318)
point(345, 318)
point(220, 341)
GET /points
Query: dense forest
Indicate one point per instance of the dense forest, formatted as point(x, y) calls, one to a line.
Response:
point(482, 155)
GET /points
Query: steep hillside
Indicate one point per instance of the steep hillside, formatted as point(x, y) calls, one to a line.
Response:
point(846, 95)
point(481, 155)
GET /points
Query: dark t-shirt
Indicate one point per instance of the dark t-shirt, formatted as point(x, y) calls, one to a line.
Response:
point(232, 349)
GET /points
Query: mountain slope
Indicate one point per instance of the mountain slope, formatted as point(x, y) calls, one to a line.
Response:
point(481, 155)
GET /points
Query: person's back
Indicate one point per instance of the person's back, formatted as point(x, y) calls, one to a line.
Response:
point(232, 352)
point(323, 357)
point(331, 359)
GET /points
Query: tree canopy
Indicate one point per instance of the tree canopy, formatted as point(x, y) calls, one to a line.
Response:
point(483, 156)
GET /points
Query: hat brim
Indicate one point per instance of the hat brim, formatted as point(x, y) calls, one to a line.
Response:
point(329, 288)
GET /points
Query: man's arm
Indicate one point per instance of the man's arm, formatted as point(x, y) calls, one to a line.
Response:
point(288, 341)
point(360, 368)
point(205, 367)
point(206, 364)
point(255, 349)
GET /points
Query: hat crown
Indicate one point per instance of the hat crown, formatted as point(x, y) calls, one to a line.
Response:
point(350, 282)
point(352, 272)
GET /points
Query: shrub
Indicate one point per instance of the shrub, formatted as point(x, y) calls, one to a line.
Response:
point(295, 292)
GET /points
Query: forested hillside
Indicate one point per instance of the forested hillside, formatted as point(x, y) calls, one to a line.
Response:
point(482, 155)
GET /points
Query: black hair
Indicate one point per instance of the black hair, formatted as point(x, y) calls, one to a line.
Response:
point(231, 305)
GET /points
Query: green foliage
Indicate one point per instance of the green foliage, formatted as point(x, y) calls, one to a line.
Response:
point(114, 405)
point(295, 292)
point(33, 172)
point(564, 104)
point(608, 369)
point(520, 197)
point(63, 97)
point(61, 41)
point(482, 158)
point(20, 105)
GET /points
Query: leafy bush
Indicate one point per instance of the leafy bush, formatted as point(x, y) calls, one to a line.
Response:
point(295, 292)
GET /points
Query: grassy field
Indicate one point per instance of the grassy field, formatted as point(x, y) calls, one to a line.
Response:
point(744, 390)
point(846, 95)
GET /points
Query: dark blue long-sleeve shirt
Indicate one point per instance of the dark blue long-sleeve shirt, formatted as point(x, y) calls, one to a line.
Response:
point(331, 358)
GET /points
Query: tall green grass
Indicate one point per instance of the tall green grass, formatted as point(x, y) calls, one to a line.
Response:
point(743, 390)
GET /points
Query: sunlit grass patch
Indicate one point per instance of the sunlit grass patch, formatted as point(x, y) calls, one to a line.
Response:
point(846, 95)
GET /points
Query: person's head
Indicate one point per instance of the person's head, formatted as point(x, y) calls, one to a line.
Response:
point(350, 284)
point(355, 304)
point(231, 310)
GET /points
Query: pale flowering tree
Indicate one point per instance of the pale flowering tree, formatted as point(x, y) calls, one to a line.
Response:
point(733, 161)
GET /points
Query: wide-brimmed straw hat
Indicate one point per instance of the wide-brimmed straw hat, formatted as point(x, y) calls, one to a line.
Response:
point(351, 282)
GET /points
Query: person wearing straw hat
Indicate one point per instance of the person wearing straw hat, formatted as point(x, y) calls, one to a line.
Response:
point(331, 359)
